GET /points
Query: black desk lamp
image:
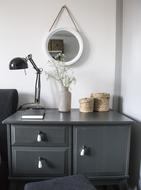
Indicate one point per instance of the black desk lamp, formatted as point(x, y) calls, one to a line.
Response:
point(21, 63)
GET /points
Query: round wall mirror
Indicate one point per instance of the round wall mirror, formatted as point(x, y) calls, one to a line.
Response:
point(64, 45)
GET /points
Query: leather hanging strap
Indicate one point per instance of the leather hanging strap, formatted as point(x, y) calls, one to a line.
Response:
point(59, 15)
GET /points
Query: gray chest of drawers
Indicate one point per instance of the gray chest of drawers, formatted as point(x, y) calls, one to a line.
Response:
point(94, 144)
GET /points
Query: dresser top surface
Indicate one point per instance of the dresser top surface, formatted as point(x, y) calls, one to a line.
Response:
point(52, 116)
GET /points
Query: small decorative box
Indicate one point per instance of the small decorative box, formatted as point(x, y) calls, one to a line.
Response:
point(86, 104)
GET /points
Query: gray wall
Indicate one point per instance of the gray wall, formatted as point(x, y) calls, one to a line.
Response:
point(118, 55)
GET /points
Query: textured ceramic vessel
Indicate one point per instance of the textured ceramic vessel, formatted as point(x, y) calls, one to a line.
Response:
point(64, 100)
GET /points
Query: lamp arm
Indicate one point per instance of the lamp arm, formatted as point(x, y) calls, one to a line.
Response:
point(29, 57)
point(37, 88)
point(38, 79)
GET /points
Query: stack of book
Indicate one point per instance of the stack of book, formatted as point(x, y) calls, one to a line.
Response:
point(33, 114)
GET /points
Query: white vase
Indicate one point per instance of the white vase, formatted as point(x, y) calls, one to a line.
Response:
point(64, 100)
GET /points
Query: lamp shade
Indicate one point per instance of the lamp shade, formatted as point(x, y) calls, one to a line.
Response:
point(18, 63)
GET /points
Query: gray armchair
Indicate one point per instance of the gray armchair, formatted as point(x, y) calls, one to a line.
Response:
point(8, 105)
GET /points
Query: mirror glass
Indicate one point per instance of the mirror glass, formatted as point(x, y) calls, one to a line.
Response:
point(64, 45)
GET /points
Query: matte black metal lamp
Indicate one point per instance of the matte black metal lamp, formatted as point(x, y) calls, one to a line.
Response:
point(22, 63)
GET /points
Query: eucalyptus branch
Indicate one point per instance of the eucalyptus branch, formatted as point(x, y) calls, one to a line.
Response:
point(61, 73)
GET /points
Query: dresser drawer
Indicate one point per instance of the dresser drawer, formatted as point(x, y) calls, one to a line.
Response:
point(40, 161)
point(35, 135)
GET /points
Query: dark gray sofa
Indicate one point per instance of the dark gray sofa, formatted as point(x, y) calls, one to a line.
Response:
point(8, 105)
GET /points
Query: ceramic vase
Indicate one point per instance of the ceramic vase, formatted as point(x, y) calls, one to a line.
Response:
point(64, 100)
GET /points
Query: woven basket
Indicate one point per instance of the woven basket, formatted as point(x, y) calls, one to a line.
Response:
point(86, 105)
point(101, 101)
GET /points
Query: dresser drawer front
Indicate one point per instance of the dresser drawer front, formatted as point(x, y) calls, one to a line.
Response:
point(53, 161)
point(39, 135)
point(101, 150)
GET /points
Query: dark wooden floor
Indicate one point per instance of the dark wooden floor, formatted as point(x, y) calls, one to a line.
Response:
point(3, 177)
point(107, 187)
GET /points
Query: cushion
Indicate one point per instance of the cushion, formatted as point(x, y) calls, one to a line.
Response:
point(75, 182)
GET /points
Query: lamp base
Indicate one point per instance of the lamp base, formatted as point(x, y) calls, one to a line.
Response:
point(31, 106)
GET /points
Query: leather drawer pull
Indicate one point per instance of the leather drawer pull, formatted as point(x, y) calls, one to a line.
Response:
point(41, 137)
point(40, 164)
point(83, 150)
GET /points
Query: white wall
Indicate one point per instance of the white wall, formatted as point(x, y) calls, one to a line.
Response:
point(24, 25)
point(131, 67)
point(131, 78)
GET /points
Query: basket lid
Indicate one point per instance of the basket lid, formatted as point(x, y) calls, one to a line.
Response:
point(100, 95)
point(85, 100)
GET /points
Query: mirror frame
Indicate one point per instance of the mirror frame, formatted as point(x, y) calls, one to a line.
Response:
point(73, 32)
